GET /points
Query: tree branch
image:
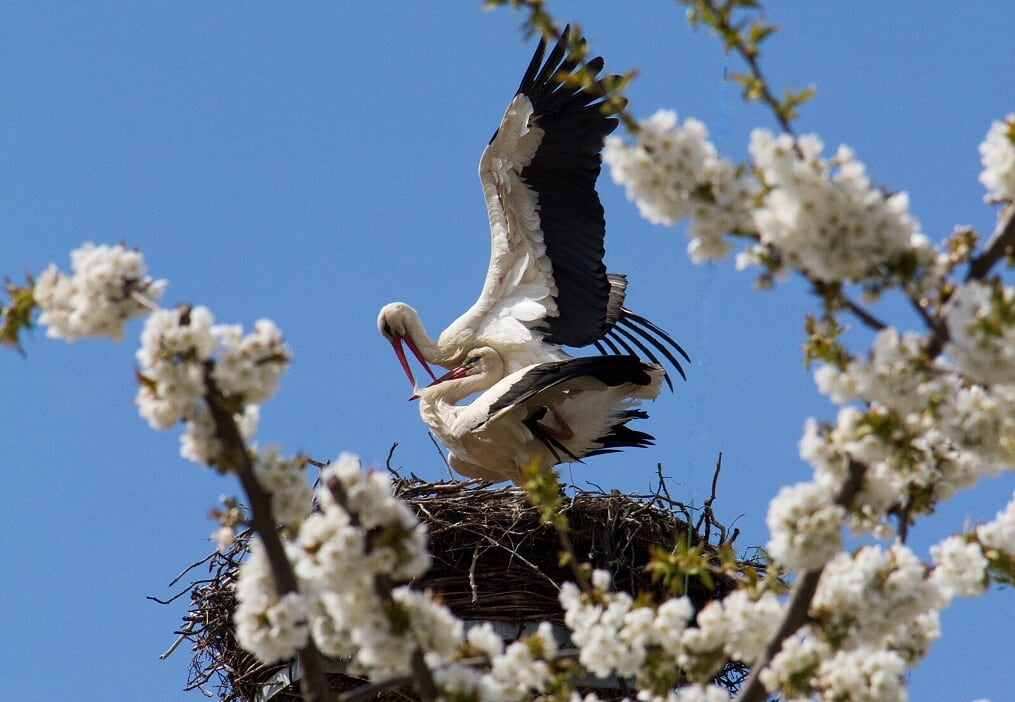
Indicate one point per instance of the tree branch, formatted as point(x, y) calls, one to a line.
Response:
point(314, 685)
point(1001, 244)
point(800, 600)
point(421, 673)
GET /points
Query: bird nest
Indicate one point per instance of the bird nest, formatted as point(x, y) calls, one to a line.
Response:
point(493, 561)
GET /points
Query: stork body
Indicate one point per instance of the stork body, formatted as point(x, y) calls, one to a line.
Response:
point(546, 284)
point(542, 415)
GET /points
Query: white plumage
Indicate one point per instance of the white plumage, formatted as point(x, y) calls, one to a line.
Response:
point(546, 285)
point(538, 416)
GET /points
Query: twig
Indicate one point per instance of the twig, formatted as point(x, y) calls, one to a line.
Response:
point(1001, 244)
point(387, 461)
point(837, 299)
point(179, 639)
point(145, 301)
point(863, 315)
point(727, 30)
point(444, 458)
point(371, 691)
point(707, 515)
point(800, 601)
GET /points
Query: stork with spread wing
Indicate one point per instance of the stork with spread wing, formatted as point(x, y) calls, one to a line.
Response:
point(547, 285)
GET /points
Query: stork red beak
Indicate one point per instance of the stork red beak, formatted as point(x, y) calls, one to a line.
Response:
point(453, 374)
point(396, 344)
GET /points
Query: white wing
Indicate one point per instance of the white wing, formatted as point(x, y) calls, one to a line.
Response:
point(546, 277)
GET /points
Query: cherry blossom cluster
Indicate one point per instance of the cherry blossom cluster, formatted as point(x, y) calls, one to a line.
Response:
point(107, 286)
point(875, 613)
point(515, 673)
point(807, 666)
point(914, 424)
point(284, 478)
point(673, 171)
point(982, 336)
point(924, 429)
point(649, 643)
point(997, 153)
point(338, 555)
point(184, 355)
point(824, 216)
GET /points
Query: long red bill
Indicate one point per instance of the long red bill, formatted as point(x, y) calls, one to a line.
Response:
point(400, 352)
point(453, 374)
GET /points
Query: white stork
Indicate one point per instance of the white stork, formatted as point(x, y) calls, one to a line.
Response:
point(548, 413)
point(546, 285)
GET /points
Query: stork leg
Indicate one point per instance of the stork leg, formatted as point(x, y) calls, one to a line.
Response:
point(551, 437)
point(563, 433)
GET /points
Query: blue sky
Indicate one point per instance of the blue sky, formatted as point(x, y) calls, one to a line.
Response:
point(309, 163)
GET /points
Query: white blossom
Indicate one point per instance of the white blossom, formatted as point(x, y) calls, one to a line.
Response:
point(98, 297)
point(750, 622)
point(223, 538)
point(982, 343)
point(248, 367)
point(174, 345)
point(997, 154)
point(485, 640)
point(863, 675)
point(874, 596)
point(269, 626)
point(284, 479)
point(823, 216)
point(793, 670)
point(457, 681)
point(673, 171)
point(805, 525)
point(672, 618)
point(960, 568)
point(999, 533)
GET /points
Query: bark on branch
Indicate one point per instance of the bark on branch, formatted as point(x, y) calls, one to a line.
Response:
point(314, 686)
point(800, 600)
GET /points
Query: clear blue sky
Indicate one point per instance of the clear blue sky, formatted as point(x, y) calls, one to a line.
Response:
point(311, 162)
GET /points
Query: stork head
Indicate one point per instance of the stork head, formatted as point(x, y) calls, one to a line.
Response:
point(398, 323)
point(481, 368)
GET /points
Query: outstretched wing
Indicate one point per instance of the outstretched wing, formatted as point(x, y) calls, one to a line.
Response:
point(539, 174)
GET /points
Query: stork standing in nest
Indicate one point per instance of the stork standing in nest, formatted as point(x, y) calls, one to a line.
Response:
point(548, 413)
point(546, 285)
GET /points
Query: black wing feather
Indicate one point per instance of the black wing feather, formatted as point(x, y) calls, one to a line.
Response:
point(563, 174)
point(610, 370)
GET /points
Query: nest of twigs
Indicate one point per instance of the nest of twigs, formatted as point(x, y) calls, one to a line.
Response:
point(493, 560)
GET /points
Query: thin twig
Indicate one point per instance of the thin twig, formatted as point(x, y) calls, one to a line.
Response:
point(750, 57)
point(179, 639)
point(371, 691)
point(1001, 244)
point(387, 461)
